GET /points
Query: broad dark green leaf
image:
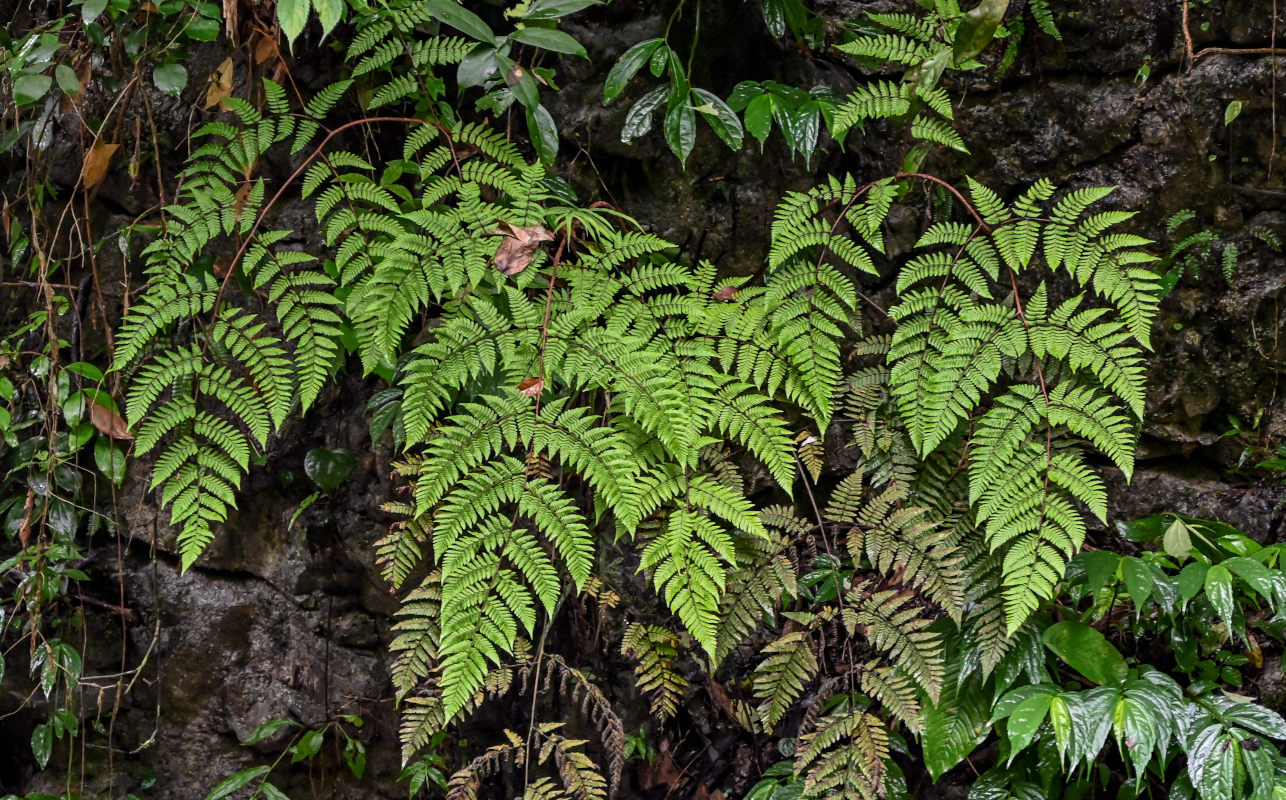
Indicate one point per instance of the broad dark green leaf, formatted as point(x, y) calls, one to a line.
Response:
point(954, 727)
point(272, 792)
point(638, 121)
point(237, 780)
point(1099, 567)
point(67, 80)
point(170, 78)
point(1089, 715)
point(307, 746)
point(292, 15)
point(977, 29)
point(42, 743)
point(1211, 763)
point(460, 18)
point(267, 730)
point(476, 67)
point(1191, 579)
point(549, 39)
point(1025, 720)
point(110, 460)
point(1219, 592)
point(680, 126)
point(630, 62)
point(92, 10)
point(328, 468)
point(29, 88)
point(1138, 580)
point(1087, 651)
point(1257, 718)
point(543, 133)
point(775, 17)
point(759, 114)
point(1136, 731)
point(554, 9)
point(1256, 575)
point(722, 120)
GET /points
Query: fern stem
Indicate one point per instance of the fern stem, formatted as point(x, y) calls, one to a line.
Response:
point(954, 191)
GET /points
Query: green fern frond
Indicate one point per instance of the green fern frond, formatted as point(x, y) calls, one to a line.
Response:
point(655, 649)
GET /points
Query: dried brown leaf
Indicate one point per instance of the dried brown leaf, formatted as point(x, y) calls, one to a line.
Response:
point(220, 85)
point(519, 247)
point(725, 294)
point(532, 386)
point(230, 18)
point(108, 422)
point(97, 160)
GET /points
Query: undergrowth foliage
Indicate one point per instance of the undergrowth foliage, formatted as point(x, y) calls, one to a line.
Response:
point(581, 388)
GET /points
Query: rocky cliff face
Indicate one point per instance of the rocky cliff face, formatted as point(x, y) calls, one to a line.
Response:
point(282, 620)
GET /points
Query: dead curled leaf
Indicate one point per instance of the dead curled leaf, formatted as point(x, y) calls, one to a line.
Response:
point(519, 247)
point(532, 386)
point(97, 160)
point(220, 85)
point(108, 422)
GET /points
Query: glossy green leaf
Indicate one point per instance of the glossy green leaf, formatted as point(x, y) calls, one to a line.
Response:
point(271, 792)
point(630, 62)
point(92, 10)
point(977, 28)
point(237, 780)
point(29, 88)
point(638, 121)
point(1138, 580)
point(170, 78)
point(1087, 651)
point(1136, 732)
point(723, 121)
point(555, 9)
point(1191, 580)
point(1210, 763)
point(1025, 720)
point(110, 460)
point(953, 727)
point(549, 39)
point(1219, 592)
point(680, 126)
point(42, 743)
point(759, 114)
point(267, 730)
point(476, 67)
point(1258, 577)
point(543, 133)
point(1257, 718)
point(450, 13)
point(307, 746)
point(67, 80)
point(328, 468)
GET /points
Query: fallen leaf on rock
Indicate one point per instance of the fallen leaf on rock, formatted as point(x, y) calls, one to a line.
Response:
point(220, 85)
point(97, 160)
point(108, 422)
point(519, 247)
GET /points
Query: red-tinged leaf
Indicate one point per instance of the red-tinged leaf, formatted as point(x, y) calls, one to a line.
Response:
point(532, 387)
point(108, 422)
